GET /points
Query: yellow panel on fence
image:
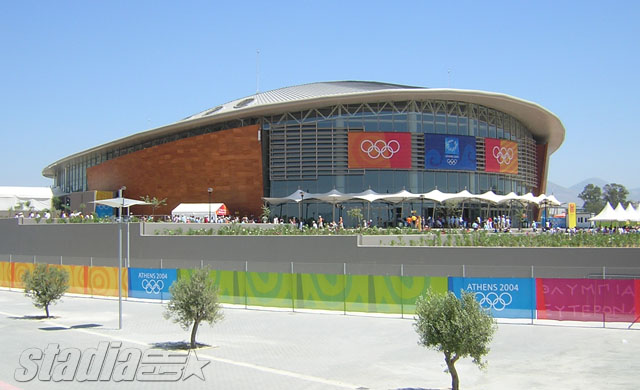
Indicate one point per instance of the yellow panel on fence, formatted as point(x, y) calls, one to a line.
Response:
point(78, 278)
point(17, 272)
point(104, 281)
point(5, 274)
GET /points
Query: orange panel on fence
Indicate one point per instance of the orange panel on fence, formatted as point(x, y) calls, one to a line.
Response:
point(17, 272)
point(5, 274)
point(104, 281)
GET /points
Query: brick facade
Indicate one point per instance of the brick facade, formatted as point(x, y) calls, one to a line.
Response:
point(229, 161)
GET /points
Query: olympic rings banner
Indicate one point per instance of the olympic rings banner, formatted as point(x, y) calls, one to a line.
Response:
point(505, 297)
point(452, 152)
point(151, 283)
point(500, 156)
point(379, 150)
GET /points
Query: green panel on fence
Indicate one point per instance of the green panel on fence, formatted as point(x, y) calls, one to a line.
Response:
point(373, 293)
point(269, 289)
point(415, 286)
point(357, 293)
point(231, 284)
point(319, 291)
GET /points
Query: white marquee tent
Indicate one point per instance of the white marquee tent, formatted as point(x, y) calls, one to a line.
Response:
point(39, 198)
point(199, 209)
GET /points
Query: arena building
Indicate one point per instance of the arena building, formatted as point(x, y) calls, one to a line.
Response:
point(347, 135)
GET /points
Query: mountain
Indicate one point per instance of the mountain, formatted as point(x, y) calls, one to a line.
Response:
point(578, 187)
point(570, 194)
point(564, 194)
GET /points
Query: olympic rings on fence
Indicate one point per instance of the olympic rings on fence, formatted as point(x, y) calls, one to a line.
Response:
point(493, 300)
point(380, 148)
point(152, 286)
point(503, 155)
point(452, 161)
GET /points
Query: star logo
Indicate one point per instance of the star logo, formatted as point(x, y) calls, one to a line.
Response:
point(194, 367)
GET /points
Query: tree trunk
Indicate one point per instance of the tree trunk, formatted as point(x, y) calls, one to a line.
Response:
point(193, 333)
point(455, 382)
point(46, 309)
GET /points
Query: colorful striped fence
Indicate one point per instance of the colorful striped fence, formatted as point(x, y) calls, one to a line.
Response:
point(609, 300)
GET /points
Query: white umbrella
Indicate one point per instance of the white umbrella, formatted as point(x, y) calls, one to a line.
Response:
point(120, 202)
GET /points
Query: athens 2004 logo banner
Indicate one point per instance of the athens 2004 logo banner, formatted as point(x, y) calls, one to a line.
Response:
point(501, 156)
point(380, 150)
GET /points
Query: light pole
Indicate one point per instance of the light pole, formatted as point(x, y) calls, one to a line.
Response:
point(209, 190)
point(300, 211)
point(120, 259)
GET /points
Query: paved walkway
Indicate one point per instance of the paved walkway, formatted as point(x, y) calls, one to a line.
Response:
point(263, 349)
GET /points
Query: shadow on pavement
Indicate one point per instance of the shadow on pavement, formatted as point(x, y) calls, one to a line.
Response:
point(178, 346)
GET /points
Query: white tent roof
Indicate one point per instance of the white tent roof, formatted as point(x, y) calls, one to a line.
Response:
point(606, 214)
point(368, 195)
point(490, 196)
point(120, 202)
point(196, 209)
point(400, 196)
point(38, 197)
point(461, 196)
point(632, 213)
point(334, 196)
point(435, 195)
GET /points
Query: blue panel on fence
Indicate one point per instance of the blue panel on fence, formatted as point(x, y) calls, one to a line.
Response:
point(506, 297)
point(151, 283)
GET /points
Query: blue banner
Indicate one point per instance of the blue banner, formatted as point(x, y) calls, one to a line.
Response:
point(505, 297)
point(151, 283)
point(452, 152)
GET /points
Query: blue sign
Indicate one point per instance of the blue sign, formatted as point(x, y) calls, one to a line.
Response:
point(505, 297)
point(151, 283)
point(451, 152)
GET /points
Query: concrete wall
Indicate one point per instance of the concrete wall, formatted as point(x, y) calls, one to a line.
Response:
point(98, 243)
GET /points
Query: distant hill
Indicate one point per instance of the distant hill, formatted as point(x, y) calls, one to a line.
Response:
point(570, 194)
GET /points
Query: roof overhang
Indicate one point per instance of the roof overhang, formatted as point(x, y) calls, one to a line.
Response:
point(545, 126)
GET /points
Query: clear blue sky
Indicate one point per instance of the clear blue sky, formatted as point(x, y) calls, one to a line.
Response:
point(74, 75)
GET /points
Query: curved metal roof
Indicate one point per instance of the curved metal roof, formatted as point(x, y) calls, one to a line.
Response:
point(542, 123)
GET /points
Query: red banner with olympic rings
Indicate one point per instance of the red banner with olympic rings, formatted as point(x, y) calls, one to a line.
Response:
point(379, 150)
point(500, 156)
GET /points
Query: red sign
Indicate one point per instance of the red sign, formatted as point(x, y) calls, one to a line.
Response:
point(588, 299)
point(380, 150)
point(222, 210)
point(500, 156)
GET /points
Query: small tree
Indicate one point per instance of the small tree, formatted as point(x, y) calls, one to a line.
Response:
point(355, 213)
point(457, 327)
point(155, 203)
point(194, 300)
point(45, 285)
point(266, 213)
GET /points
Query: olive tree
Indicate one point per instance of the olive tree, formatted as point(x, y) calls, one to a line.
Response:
point(457, 327)
point(194, 300)
point(45, 285)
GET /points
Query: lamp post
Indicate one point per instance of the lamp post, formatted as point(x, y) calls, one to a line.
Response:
point(209, 190)
point(120, 259)
point(301, 203)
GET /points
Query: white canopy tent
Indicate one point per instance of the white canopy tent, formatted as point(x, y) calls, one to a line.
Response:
point(199, 209)
point(632, 213)
point(607, 214)
point(335, 197)
point(39, 198)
